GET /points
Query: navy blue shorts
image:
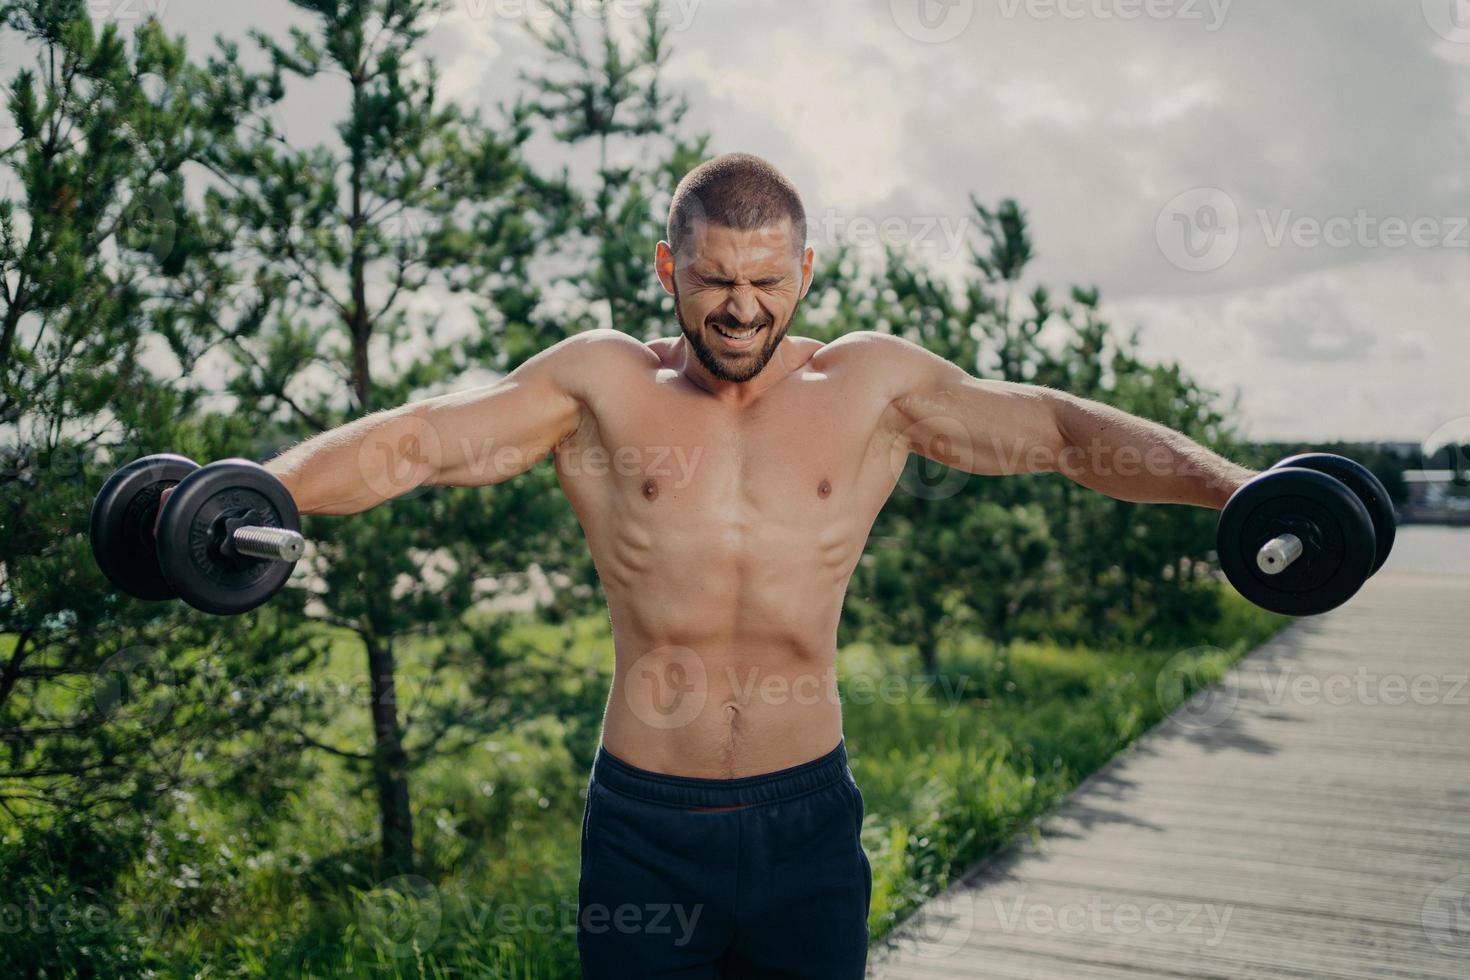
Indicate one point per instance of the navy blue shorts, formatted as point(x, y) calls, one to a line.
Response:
point(762, 876)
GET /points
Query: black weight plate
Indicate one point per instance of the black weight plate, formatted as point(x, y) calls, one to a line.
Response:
point(1361, 481)
point(193, 528)
point(121, 524)
point(1336, 533)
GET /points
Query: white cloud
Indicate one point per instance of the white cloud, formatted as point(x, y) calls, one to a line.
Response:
point(1095, 123)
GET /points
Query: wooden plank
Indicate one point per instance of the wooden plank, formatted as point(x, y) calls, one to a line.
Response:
point(1316, 828)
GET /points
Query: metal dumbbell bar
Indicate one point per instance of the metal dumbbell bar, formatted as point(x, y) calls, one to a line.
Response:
point(268, 543)
point(227, 538)
point(1277, 554)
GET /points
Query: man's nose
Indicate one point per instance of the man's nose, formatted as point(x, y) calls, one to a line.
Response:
point(743, 306)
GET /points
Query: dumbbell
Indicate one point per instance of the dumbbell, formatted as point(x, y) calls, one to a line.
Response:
point(226, 541)
point(1303, 537)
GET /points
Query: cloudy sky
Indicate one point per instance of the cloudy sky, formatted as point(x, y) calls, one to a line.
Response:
point(1274, 191)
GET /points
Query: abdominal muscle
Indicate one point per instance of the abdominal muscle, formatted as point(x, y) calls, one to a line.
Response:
point(721, 710)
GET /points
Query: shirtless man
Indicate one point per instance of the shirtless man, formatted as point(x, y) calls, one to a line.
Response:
point(726, 480)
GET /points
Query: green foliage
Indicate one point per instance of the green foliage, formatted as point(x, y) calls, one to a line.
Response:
point(283, 796)
point(1032, 556)
point(952, 766)
point(96, 709)
point(602, 92)
point(319, 249)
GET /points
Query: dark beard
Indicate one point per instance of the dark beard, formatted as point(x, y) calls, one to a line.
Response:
point(727, 369)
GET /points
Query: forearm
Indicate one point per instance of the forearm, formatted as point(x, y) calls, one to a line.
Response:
point(359, 465)
point(1130, 458)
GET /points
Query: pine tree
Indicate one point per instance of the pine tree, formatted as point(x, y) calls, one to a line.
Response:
point(359, 273)
point(605, 95)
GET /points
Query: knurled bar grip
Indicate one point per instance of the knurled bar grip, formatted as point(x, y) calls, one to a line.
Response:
point(269, 543)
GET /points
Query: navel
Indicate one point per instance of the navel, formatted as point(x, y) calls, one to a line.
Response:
point(650, 489)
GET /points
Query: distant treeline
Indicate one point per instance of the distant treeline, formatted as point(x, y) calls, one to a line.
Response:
point(1389, 461)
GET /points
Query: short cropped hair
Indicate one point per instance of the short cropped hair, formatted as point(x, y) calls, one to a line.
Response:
point(736, 190)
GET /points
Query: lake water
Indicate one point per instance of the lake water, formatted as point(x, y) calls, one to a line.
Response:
point(1430, 548)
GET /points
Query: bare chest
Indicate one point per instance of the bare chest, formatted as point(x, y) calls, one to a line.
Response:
point(801, 456)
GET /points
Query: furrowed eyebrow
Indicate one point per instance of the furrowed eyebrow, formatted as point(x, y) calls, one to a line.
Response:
point(714, 280)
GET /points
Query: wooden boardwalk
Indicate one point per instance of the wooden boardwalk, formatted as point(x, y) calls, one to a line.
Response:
point(1308, 817)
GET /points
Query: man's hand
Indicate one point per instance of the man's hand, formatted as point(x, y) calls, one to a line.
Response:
point(158, 514)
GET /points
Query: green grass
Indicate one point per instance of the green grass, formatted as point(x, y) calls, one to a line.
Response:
point(951, 769)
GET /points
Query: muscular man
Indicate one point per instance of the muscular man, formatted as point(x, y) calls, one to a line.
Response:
point(727, 479)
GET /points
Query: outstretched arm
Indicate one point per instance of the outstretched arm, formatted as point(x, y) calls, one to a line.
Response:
point(999, 428)
point(471, 438)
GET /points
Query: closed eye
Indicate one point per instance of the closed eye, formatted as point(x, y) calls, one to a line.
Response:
point(718, 283)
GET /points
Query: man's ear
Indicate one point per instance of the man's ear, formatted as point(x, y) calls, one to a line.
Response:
point(663, 264)
point(808, 264)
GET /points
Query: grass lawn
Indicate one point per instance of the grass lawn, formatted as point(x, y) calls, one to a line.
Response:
point(951, 768)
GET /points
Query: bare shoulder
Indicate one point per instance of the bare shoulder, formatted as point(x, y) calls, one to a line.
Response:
point(596, 355)
point(879, 360)
point(605, 345)
point(868, 347)
point(666, 350)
